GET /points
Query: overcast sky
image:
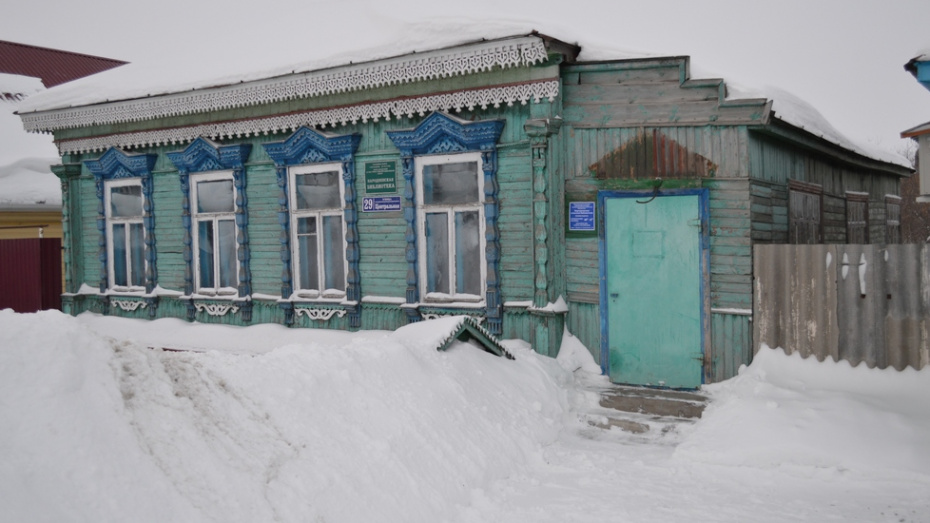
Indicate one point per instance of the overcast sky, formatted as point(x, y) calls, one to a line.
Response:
point(845, 57)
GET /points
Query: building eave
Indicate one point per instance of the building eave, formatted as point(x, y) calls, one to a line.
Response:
point(516, 51)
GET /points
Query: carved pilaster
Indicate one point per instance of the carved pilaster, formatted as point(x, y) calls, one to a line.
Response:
point(287, 278)
point(102, 236)
point(242, 233)
point(539, 131)
point(184, 177)
point(66, 173)
point(492, 242)
point(410, 235)
point(148, 224)
point(353, 278)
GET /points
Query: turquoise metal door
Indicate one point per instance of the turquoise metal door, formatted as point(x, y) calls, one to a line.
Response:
point(653, 286)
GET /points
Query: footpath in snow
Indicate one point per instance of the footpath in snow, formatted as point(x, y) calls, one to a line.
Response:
point(266, 423)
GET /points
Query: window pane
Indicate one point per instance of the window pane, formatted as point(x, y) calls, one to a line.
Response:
point(215, 196)
point(450, 183)
point(317, 190)
point(307, 254)
point(227, 250)
point(126, 200)
point(119, 254)
point(467, 253)
point(205, 254)
point(334, 253)
point(437, 253)
point(137, 258)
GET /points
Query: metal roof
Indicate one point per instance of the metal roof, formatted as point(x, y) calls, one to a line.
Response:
point(52, 66)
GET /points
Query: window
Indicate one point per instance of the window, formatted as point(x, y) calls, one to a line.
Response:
point(214, 233)
point(318, 231)
point(125, 235)
point(804, 212)
point(857, 218)
point(892, 219)
point(450, 218)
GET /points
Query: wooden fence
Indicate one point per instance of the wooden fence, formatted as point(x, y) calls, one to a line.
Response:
point(860, 303)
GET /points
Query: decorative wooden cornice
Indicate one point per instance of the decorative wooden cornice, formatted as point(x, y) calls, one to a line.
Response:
point(472, 58)
point(472, 99)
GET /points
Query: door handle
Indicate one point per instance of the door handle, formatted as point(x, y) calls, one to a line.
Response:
point(614, 295)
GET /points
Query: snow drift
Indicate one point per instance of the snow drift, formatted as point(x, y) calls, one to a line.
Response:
point(369, 430)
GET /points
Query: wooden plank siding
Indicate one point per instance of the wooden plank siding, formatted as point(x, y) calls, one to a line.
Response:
point(382, 260)
point(774, 162)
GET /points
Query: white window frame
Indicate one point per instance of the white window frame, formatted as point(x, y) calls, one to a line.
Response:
point(319, 214)
point(450, 210)
point(215, 217)
point(128, 222)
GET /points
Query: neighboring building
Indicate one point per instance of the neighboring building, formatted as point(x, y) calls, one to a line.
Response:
point(30, 195)
point(502, 179)
point(920, 68)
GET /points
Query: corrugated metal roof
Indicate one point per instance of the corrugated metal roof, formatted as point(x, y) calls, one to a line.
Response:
point(54, 67)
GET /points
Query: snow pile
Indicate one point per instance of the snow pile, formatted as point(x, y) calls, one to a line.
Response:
point(785, 411)
point(361, 428)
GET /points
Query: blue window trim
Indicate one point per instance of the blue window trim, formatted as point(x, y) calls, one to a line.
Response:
point(704, 210)
point(307, 146)
point(440, 133)
point(204, 155)
point(115, 164)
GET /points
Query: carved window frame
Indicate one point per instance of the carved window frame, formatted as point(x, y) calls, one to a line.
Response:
point(115, 168)
point(440, 133)
point(198, 217)
point(319, 214)
point(127, 222)
point(450, 210)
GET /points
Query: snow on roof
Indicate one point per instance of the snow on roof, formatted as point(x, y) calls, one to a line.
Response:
point(793, 110)
point(138, 81)
point(26, 183)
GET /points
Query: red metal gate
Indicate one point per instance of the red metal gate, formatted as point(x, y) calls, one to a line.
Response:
point(30, 274)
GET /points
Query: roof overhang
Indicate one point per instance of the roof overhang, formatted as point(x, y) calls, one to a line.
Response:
point(916, 131)
point(920, 68)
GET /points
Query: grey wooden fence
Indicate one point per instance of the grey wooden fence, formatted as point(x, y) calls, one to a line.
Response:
point(860, 303)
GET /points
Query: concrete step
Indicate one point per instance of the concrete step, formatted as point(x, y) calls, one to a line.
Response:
point(655, 402)
point(644, 411)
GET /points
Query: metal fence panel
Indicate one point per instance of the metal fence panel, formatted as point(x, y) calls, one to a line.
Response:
point(859, 303)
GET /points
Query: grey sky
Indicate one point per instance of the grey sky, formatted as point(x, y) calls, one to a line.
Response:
point(844, 57)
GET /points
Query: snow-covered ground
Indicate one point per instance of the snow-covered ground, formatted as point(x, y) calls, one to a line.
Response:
point(266, 423)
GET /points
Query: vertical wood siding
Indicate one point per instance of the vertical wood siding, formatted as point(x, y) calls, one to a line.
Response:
point(731, 345)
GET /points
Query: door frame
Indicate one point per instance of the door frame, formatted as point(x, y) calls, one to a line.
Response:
point(703, 195)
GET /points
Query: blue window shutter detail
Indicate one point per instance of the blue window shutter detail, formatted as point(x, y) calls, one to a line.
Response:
point(116, 164)
point(441, 133)
point(205, 155)
point(308, 146)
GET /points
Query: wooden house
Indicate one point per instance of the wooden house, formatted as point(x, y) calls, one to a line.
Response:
point(502, 179)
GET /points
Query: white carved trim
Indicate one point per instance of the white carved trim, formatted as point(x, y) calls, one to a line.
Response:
point(436, 315)
point(406, 107)
point(320, 314)
point(483, 56)
point(128, 305)
point(216, 309)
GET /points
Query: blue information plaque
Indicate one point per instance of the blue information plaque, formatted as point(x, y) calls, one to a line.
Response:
point(581, 216)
